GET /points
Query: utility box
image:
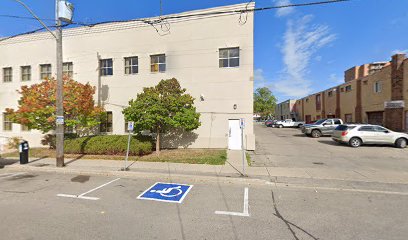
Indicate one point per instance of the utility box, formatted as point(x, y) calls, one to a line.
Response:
point(24, 148)
point(65, 11)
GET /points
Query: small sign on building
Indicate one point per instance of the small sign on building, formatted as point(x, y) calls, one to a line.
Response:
point(394, 104)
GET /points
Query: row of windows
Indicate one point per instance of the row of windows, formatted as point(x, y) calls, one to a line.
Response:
point(45, 72)
point(228, 57)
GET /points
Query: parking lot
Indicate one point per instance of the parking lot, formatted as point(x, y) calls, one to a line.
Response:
point(289, 148)
point(31, 208)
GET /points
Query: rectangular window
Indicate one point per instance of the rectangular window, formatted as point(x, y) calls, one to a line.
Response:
point(131, 65)
point(24, 128)
point(377, 87)
point(318, 103)
point(25, 73)
point(229, 57)
point(348, 118)
point(330, 93)
point(68, 69)
point(106, 66)
point(7, 123)
point(7, 74)
point(348, 88)
point(158, 63)
point(45, 71)
point(106, 123)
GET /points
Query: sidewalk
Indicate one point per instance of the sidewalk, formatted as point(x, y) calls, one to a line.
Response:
point(232, 169)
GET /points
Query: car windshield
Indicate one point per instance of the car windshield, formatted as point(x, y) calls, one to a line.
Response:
point(344, 127)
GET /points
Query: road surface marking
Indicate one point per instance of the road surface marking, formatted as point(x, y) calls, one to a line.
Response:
point(340, 189)
point(6, 175)
point(82, 196)
point(245, 213)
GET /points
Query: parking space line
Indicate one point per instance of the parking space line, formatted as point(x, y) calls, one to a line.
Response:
point(245, 213)
point(82, 195)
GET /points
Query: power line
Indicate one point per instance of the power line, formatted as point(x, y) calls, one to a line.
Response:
point(164, 21)
point(24, 17)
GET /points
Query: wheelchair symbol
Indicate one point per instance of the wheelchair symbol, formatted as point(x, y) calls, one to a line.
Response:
point(167, 192)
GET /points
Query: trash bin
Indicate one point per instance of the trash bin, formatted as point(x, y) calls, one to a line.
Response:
point(24, 152)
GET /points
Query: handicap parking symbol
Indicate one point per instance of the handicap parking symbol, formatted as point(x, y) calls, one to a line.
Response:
point(166, 192)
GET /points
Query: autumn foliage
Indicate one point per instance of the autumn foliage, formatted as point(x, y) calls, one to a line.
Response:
point(37, 110)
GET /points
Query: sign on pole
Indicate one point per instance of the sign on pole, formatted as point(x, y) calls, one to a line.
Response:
point(242, 123)
point(130, 130)
point(131, 126)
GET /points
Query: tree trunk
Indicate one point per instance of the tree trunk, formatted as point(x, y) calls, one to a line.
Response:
point(158, 141)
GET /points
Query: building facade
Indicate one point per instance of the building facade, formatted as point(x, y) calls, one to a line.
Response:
point(372, 93)
point(286, 110)
point(212, 57)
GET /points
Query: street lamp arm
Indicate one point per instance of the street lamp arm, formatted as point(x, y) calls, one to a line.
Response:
point(35, 16)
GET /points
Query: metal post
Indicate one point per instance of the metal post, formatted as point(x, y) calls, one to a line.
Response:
point(243, 151)
point(127, 153)
point(60, 93)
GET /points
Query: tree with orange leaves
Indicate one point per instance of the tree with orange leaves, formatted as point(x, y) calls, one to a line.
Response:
point(37, 108)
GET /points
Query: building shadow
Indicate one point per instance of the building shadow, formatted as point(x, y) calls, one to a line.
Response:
point(178, 139)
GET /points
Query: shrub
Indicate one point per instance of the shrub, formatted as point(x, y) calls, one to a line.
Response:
point(50, 139)
point(108, 145)
point(14, 142)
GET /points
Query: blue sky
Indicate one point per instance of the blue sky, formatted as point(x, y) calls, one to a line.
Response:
point(298, 51)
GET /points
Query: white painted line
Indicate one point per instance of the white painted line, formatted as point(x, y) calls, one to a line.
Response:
point(82, 196)
point(6, 175)
point(245, 213)
point(341, 189)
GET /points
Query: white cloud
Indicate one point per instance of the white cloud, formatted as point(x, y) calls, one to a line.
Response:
point(400, 51)
point(301, 41)
point(335, 79)
point(259, 79)
point(282, 12)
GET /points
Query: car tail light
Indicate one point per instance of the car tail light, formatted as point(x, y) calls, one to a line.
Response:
point(344, 133)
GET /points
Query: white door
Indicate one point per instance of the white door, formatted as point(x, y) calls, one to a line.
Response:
point(234, 135)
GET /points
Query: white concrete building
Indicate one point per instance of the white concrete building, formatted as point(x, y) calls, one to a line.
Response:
point(212, 57)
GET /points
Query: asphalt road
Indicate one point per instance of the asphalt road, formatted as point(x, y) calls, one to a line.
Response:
point(31, 209)
point(289, 148)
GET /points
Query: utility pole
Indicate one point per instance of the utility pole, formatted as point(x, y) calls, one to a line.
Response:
point(59, 131)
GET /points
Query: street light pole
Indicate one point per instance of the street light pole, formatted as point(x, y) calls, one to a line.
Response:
point(59, 131)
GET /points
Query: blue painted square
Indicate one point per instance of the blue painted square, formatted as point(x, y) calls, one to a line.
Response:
point(166, 192)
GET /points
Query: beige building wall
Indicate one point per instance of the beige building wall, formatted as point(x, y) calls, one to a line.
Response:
point(330, 102)
point(192, 56)
point(348, 100)
point(370, 100)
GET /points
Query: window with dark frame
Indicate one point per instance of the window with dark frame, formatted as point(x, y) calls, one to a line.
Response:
point(7, 123)
point(229, 57)
point(330, 93)
point(7, 74)
point(158, 63)
point(25, 73)
point(106, 67)
point(318, 102)
point(377, 87)
point(68, 69)
point(45, 71)
point(106, 123)
point(348, 88)
point(131, 65)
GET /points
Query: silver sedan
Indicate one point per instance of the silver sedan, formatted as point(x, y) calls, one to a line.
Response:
point(358, 134)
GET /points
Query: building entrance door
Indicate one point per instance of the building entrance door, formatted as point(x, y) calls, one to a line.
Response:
point(375, 118)
point(234, 135)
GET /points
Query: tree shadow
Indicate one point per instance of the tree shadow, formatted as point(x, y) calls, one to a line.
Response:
point(4, 162)
point(178, 138)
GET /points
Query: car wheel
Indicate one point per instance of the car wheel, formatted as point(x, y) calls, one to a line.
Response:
point(316, 134)
point(300, 125)
point(401, 143)
point(280, 126)
point(355, 142)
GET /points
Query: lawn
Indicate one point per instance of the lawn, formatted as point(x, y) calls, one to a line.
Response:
point(192, 156)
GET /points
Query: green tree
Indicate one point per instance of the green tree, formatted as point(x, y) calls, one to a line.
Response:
point(37, 109)
point(264, 102)
point(163, 107)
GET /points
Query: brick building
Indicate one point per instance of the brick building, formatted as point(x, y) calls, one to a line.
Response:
point(286, 110)
point(372, 93)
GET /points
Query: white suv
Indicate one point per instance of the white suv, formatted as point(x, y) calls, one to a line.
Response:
point(357, 134)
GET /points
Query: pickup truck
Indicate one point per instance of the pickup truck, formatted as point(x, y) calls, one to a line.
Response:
point(321, 127)
point(288, 123)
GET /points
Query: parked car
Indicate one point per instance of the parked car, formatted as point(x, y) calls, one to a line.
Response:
point(321, 127)
point(288, 123)
point(356, 135)
point(269, 122)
